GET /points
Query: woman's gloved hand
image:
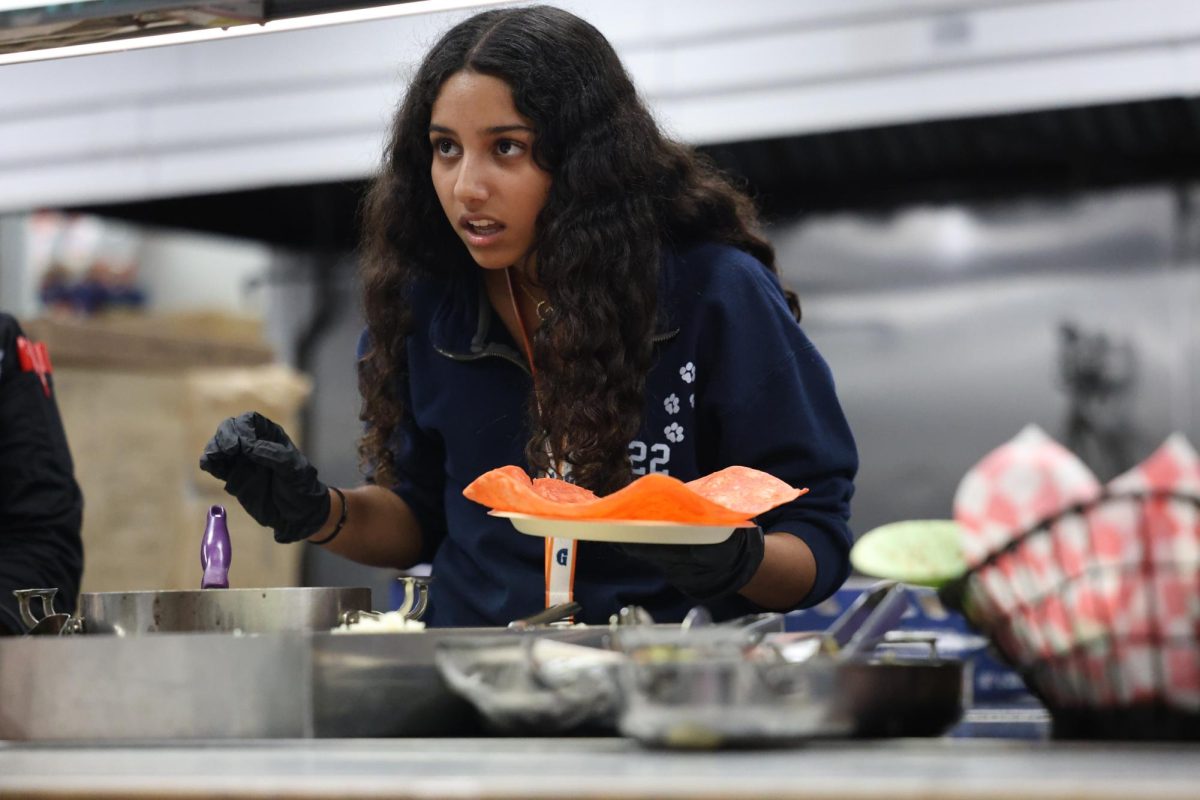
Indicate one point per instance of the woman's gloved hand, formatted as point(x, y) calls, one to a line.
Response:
point(268, 475)
point(705, 571)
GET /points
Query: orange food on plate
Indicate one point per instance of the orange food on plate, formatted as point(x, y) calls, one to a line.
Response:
point(561, 491)
point(744, 489)
point(731, 496)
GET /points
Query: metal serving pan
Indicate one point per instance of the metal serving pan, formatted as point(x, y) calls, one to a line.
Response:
point(679, 690)
point(384, 685)
point(178, 686)
point(273, 610)
point(717, 702)
point(713, 685)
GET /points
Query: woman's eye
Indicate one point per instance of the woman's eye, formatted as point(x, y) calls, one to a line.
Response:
point(508, 147)
point(445, 147)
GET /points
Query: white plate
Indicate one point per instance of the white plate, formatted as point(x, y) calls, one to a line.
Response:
point(638, 532)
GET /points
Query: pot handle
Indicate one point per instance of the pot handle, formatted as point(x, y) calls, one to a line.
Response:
point(51, 622)
point(416, 595)
point(25, 598)
point(555, 613)
point(416, 600)
point(870, 616)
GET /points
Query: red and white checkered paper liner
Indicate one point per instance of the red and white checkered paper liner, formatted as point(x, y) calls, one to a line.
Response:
point(1102, 595)
point(1017, 486)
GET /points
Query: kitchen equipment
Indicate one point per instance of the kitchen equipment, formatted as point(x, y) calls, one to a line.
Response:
point(705, 684)
point(505, 680)
point(392, 684)
point(216, 551)
point(200, 611)
point(556, 613)
point(539, 686)
point(281, 683)
point(231, 610)
point(532, 685)
point(861, 627)
point(636, 615)
point(412, 605)
point(284, 685)
point(51, 623)
point(708, 692)
point(718, 686)
point(242, 611)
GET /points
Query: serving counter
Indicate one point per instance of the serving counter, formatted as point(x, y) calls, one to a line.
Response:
point(601, 768)
point(312, 714)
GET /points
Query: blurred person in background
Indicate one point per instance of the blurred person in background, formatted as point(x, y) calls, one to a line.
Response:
point(549, 280)
point(41, 507)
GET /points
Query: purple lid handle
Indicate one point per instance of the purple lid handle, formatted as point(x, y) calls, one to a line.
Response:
point(216, 553)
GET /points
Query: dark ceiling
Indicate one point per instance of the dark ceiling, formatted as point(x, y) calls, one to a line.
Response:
point(1062, 151)
point(322, 216)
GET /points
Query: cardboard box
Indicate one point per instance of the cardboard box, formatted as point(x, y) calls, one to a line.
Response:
point(136, 436)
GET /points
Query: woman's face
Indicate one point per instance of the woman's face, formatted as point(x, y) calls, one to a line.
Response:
point(483, 169)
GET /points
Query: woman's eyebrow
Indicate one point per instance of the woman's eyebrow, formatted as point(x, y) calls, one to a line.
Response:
point(492, 130)
point(508, 129)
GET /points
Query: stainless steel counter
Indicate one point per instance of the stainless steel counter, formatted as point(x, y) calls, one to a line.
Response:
point(601, 768)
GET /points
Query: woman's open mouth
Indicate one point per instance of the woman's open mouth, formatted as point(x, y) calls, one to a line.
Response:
point(481, 231)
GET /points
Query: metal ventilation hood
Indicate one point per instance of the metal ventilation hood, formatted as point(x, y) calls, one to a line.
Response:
point(1043, 154)
point(65, 24)
point(829, 103)
point(27, 26)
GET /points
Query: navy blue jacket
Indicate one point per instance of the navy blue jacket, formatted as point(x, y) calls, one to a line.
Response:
point(735, 382)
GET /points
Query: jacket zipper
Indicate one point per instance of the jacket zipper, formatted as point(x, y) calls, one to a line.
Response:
point(485, 354)
point(662, 337)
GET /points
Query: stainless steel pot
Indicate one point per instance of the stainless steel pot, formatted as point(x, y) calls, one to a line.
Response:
point(224, 610)
point(273, 610)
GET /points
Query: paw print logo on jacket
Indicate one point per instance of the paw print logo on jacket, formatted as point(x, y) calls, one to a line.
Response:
point(671, 404)
point(688, 372)
point(674, 432)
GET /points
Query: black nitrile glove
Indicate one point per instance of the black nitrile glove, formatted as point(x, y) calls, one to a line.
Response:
point(705, 571)
point(268, 475)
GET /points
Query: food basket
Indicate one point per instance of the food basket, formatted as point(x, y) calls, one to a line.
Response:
point(1098, 609)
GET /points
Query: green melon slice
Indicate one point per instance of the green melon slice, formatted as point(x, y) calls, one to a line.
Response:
point(925, 552)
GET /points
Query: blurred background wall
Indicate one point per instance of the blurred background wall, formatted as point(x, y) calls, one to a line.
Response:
point(988, 209)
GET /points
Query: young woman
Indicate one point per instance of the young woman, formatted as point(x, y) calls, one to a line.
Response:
point(550, 282)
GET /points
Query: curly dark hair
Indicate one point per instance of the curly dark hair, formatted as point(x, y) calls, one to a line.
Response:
point(620, 194)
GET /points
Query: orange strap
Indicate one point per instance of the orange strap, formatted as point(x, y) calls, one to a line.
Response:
point(512, 298)
point(559, 554)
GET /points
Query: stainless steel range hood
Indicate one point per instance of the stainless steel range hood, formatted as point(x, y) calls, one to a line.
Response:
point(247, 113)
point(39, 31)
point(37, 27)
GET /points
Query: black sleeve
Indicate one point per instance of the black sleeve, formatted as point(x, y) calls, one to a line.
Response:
point(41, 508)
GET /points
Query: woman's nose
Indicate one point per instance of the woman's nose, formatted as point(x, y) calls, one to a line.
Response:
point(471, 183)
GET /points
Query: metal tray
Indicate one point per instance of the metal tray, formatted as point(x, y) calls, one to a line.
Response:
point(175, 686)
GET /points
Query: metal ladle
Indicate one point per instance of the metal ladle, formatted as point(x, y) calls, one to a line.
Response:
point(416, 600)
